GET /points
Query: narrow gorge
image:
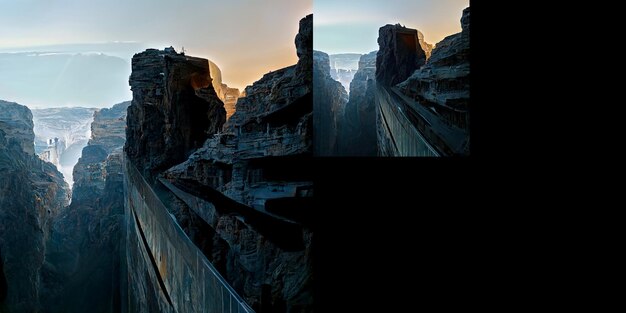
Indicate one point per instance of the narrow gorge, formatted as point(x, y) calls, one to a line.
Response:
point(406, 99)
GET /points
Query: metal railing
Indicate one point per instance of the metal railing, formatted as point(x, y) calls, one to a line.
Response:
point(189, 280)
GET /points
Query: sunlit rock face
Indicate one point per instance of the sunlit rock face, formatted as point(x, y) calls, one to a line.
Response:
point(60, 136)
point(173, 111)
point(399, 54)
point(358, 132)
point(32, 194)
point(428, 48)
point(227, 94)
point(443, 84)
point(330, 99)
point(83, 256)
point(259, 164)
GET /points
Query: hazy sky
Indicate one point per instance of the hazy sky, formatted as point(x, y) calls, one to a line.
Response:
point(343, 26)
point(245, 38)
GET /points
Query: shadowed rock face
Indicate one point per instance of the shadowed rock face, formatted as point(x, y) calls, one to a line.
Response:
point(83, 258)
point(399, 54)
point(358, 133)
point(330, 98)
point(32, 193)
point(255, 175)
point(174, 109)
point(443, 83)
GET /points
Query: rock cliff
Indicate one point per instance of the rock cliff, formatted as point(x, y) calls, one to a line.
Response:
point(241, 197)
point(83, 259)
point(399, 54)
point(443, 83)
point(174, 109)
point(32, 194)
point(428, 48)
point(358, 133)
point(330, 99)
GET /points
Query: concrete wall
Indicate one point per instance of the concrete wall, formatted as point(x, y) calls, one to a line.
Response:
point(396, 134)
point(166, 271)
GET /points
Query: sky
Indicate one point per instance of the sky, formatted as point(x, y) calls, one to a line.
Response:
point(245, 38)
point(351, 26)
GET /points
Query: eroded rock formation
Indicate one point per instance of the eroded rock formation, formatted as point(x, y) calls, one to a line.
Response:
point(241, 197)
point(83, 259)
point(32, 194)
point(330, 99)
point(428, 48)
point(358, 131)
point(399, 54)
point(174, 109)
point(443, 84)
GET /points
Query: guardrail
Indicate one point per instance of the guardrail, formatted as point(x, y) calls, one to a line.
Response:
point(185, 276)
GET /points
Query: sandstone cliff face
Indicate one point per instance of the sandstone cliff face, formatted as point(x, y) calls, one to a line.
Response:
point(242, 195)
point(399, 54)
point(83, 259)
point(32, 193)
point(227, 94)
point(358, 135)
point(428, 48)
point(443, 83)
point(330, 99)
point(174, 109)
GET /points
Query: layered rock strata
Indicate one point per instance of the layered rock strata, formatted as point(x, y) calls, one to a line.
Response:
point(330, 99)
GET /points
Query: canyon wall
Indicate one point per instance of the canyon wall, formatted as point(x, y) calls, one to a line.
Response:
point(173, 111)
point(83, 258)
point(32, 194)
point(358, 132)
point(443, 84)
point(242, 195)
point(399, 54)
point(330, 99)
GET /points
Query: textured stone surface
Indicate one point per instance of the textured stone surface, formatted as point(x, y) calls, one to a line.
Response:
point(358, 132)
point(443, 84)
point(253, 176)
point(428, 48)
point(330, 99)
point(32, 194)
point(399, 54)
point(83, 259)
point(227, 94)
point(18, 121)
point(108, 129)
point(174, 109)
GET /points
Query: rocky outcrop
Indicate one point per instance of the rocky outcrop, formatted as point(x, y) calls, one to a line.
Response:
point(399, 54)
point(330, 99)
point(428, 48)
point(83, 259)
point(242, 197)
point(230, 99)
point(227, 94)
point(443, 84)
point(358, 133)
point(173, 111)
point(108, 129)
point(32, 193)
point(18, 121)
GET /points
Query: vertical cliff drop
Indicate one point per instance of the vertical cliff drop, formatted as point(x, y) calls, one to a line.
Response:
point(242, 194)
point(32, 194)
